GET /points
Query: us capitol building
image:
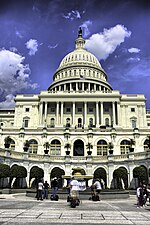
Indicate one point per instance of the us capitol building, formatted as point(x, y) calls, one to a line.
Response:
point(81, 122)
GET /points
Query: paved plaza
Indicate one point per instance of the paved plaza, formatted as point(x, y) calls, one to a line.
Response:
point(19, 209)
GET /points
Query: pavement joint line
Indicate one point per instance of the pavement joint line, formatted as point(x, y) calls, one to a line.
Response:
point(39, 215)
point(60, 215)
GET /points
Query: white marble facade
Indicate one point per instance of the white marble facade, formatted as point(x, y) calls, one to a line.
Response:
point(78, 108)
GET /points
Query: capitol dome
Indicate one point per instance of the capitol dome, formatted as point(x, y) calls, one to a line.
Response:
point(80, 64)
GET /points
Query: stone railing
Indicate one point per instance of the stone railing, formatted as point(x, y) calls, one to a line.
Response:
point(8, 153)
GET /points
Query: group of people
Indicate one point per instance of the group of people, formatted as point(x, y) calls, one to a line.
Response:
point(73, 185)
point(143, 194)
point(42, 189)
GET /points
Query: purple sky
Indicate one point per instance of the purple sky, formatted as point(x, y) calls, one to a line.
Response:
point(36, 35)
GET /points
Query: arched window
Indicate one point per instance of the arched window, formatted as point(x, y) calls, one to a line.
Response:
point(79, 122)
point(102, 147)
point(146, 143)
point(68, 122)
point(55, 147)
point(52, 122)
point(133, 122)
point(26, 121)
point(107, 122)
point(91, 122)
point(12, 144)
point(124, 147)
point(33, 148)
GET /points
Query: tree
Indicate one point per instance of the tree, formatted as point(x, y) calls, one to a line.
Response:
point(4, 170)
point(140, 173)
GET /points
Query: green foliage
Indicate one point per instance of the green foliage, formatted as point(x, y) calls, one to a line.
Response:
point(46, 145)
point(4, 170)
point(100, 173)
point(36, 172)
point(89, 146)
point(7, 140)
point(67, 146)
point(26, 144)
point(140, 173)
point(18, 171)
point(121, 173)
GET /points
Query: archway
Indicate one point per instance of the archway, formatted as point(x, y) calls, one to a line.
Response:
point(100, 173)
point(57, 172)
point(36, 174)
point(78, 149)
point(120, 177)
point(141, 174)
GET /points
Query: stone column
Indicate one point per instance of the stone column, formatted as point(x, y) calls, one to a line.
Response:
point(131, 183)
point(62, 107)
point(85, 114)
point(88, 86)
point(102, 122)
point(97, 115)
point(45, 116)
point(110, 174)
point(41, 112)
point(118, 112)
point(77, 86)
point(73, 114)
point(114, 113)
point(57, 112)
point(27, 179)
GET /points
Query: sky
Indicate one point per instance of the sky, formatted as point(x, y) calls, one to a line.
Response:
point(35, 35)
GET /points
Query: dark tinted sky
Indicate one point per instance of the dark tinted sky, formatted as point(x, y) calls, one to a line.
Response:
point(36, 35)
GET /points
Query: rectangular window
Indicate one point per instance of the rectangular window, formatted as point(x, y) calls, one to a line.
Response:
point(91, 110)
point(26, 123)
point(79, 109)
point(68, 110)
point(27, 109)
point(52, 109)
point(132, 109)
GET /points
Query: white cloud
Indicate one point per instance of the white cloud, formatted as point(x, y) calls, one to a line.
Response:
point(133, 59)
point(32, 45)
point(14, 76)
point(9, 102)
point(85, 27)
point(18, 34)
point(134, 50)
point(74, 14)
point(103, 44)
point(52, 46)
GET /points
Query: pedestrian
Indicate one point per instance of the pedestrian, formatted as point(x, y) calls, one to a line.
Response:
point(54, 186)
point(40, 190)
point(97, 189)
point(74, 192)
point(140, 198)
point(45, 190)
point(148, 192)
point(144, 194)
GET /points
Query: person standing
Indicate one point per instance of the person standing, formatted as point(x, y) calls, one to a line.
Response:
point(140, 198)
point(54, 186)
point(98, 188)
point(45, 190)
point(40, 190)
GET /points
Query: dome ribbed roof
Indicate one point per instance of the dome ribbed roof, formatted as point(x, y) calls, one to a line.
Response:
point(80, 56)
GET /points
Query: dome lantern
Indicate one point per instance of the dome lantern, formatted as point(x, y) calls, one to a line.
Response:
point(80, 41)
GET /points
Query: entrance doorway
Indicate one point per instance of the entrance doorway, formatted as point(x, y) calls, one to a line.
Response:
point(78, 149)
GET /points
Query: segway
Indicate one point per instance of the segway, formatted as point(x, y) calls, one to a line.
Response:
point(56, 198)
point(73, 198)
